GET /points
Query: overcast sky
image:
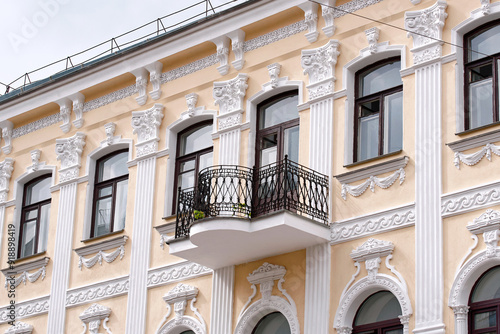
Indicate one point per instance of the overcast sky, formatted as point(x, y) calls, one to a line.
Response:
point(35, 33)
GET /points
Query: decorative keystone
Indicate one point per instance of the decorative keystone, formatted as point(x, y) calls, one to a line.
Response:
point(69, 152)
point(274, 73)
point(35, 161)
point(372, 36)
point(146, 125)
point(265, 275)
point(93, 316)
point(110, 128)
point(371, 249)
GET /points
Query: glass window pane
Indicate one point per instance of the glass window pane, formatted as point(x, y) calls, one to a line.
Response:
point(480, 72)
point(394, 331)
point(106, 191)
point(186, 180)
point(44, 228)
point(292, 143)
point(488, 287)
point(188, 332)
point(196, 140)
point(380, 78)
point(120, 205)
point(102, 221)
point(368, 137)
point(393, 122)
point(378, 307)
point(269, 149)
point(485, 319)
point(32, 214)
point(114, 166)
point(186, 166)
point(280, 111)
point(28, 239)
point(274, 323)
point(38, 191)
point(206, 160)
point(480, 103)
point(486, 42)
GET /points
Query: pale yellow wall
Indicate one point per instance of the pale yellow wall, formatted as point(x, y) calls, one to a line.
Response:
point(38, 322)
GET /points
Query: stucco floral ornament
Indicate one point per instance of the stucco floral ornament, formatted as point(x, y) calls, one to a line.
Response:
point(146, 125)
point(229, 94)
point(20, 328)
point(69, 152)
point(92, 318)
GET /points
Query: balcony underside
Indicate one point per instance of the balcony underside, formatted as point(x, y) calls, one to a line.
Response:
point(223, 241)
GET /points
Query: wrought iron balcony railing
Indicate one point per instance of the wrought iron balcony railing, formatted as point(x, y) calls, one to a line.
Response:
point(242, 192)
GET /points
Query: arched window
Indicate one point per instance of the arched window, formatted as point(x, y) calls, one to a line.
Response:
point(35, 216)
point(273, 323)
point(194, 152)
point(379, 315)
point(378, 116)
point(484, 303)
point(481, 59)
point(188, 332)
point(110, 194)
point(278, 129)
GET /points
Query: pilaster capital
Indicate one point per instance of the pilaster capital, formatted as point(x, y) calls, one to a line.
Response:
point(6, 169)
point(229, 94)
point(319, 64)
point(146, 125)
point(69, 152)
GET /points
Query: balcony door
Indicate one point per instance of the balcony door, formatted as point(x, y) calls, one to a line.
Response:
point(278, 129)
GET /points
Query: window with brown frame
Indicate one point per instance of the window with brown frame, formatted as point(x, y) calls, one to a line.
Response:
point(275, 323)
point(194, 153)
point(379, 314)
point(278, 129)
point(378, 117)
point(484, 303)
point(481, 59)
point(110, 194)
point(35, 216)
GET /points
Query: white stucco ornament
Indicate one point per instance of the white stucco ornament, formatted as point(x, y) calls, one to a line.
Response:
point(6, 168)
point(69, 152)
point(20, 328)
point(146, 126)
point(92, 318)
point(229, 94)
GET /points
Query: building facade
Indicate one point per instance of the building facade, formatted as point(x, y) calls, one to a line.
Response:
point(285, 166)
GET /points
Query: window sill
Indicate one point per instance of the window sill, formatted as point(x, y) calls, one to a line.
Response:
point(466, 132)
point(27, 266)
point(29, 257)
point(381, 168)
point(357, 163)
point(101, 236)
point(475, 141)
point(102, 245)
point(164, 230)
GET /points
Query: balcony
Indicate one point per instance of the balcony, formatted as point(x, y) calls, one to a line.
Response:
point(238, 214)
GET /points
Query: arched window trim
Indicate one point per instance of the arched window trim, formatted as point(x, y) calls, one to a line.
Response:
point(176, 326)
point(365, 59)
point(105, 149)
point(352, 299)
point(477, 18)
point(186, 120)
point(19, 184)
point(268, 91)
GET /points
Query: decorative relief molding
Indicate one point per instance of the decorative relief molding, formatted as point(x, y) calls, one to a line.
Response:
point(275, 36)
point(372, 36)
point(39, 265)
point(146, 125)
point(190, 68)
point(20, 328)
point(229, 94)
point(372, 248)
point(229, 121)
point(311, 19)
point(470, 199)
point(485, 6)
point(110, 128)
point(473, 158)
point(141, 84)
point(179, 296)
point(384, 182)
point(35, 161)
point(328, 12)
point(489, 225)
point(174, 273)
point(6, 168)
point(65, 112)
point(426, 28)
point(26, 309)
point(118, 243)
point(97, 291)
point(359, 227)
point(7, 132)
point(415, 2)
point(238, 41)
point(69, 152)
point(164, 230)
point(319, 64)
point(78, 100)
point(155, 78)
point(274, 74)
point(92, 318)
point(191, 101)
point(36, 125)
point(222, 44)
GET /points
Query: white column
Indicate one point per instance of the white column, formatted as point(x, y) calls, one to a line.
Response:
point(69, 151)
point(5, 173)
point(317, 307)
point(319, 64)
point(146, 125)
point(461, 319)
point(229, 147)
point(221, 317)
point(429, 284)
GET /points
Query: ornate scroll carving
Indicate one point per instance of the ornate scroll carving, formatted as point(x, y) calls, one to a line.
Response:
point(426, 28)
point(311, 19)
point(141, 83)
point(155, 76)
point(146, 125)
point(69, 152)
point(222, 44)
point(489, 224)
point(65, 112)
point(274, 73)
point(328, 11)
point(372, 36)
point(78, 100)
point(229, 94)
point(109, 128)
point(191, 101)
point(485, 6)
point(20, 328)
point(319, 64)
point(92, 318)
point(6, 168)
point(238, 41)
point(384, 183)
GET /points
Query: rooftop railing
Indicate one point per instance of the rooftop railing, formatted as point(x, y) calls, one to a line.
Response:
point(246, 193)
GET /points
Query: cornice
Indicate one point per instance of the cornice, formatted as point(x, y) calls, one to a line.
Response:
point(32, 265)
